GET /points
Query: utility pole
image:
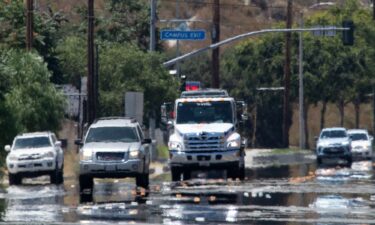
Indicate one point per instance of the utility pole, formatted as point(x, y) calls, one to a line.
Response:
point(152, 48)
point(373, 82)
point(152, 25)
point(177, 42)
point(91, 98)
point(286, 110)
point(29, 24)
point(215, 69)
point(302, 140)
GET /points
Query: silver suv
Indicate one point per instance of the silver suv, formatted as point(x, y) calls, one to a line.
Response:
point(35, 154)
point(334, 143)
point(114, 147)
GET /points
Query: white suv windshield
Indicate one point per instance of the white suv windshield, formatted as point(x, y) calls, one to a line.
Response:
point(112, 134)
point(333, 134)
point(33, 142)
point(204, 112)
point(358, 136)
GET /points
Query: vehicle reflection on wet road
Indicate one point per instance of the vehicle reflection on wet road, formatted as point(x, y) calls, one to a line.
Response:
point(296, 194)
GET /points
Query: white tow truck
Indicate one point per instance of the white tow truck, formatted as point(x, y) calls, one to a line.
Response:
point(205, 133)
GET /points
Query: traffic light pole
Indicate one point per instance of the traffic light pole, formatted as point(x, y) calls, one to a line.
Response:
point(246, 35)
point(215, 66)
point(286, 97)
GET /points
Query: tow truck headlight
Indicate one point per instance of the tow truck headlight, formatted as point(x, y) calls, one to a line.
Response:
point(175, 146)
point(49, 155)
point(134, 154)
point(234, 144)
point(85, 155)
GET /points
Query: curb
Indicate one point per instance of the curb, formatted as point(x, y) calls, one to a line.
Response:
point(265, 158)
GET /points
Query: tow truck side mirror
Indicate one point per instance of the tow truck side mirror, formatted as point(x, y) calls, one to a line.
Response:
point(316, 138)
point(170, 124)
point(242, 110)
point(7, 148)
point(165, 111)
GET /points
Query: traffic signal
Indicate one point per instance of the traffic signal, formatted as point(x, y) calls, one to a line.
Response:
point(348, 35)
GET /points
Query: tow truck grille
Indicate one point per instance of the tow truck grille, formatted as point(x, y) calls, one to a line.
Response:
point(208, 143)
point(110, 156)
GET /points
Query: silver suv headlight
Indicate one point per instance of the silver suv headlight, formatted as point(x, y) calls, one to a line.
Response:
point(85, 155)
point(135, 154)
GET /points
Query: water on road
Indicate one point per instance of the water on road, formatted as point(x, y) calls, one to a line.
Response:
point(297, 194)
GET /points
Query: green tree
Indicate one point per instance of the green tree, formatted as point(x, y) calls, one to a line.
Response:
point(28, 98)
point(47, 27)
point(251, 65)
point(198, 69)
point(72, 56)
point(345, 72)
point(126, 68)
point(126, 22)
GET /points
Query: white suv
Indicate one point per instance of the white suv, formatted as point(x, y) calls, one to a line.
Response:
point(114, 147)
point(361, 143)
point(334, 143)
point(35, 154)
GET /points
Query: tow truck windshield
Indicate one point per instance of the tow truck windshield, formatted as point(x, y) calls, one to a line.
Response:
point(204, 112)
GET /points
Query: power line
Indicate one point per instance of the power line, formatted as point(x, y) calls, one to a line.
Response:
point(198, 2)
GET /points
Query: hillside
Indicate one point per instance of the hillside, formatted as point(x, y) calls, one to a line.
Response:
point(237, 16)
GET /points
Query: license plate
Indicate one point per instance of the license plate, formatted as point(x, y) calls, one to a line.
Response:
point(110, 168)
point(204, 163)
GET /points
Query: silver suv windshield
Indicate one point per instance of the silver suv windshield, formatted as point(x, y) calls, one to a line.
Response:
point(333, 134)
point(112, 134)
point(31, 142)
point(204, 112)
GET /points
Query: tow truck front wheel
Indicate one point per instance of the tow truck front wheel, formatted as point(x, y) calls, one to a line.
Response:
point(235, 173)
point(176, 173)
point(86, 186)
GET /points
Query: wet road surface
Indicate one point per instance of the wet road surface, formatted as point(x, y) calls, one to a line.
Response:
point(297, 194)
